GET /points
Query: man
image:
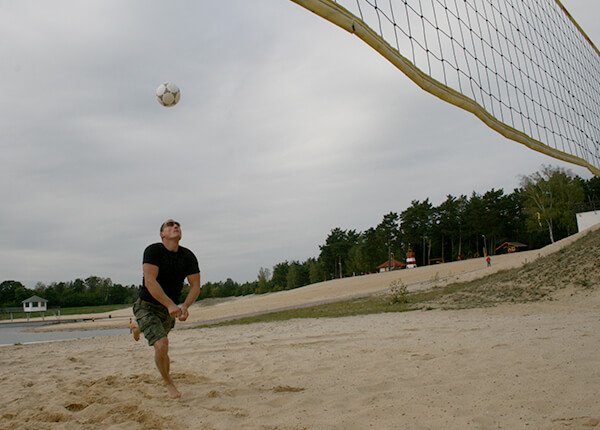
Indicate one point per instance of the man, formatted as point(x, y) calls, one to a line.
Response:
point(165, 266)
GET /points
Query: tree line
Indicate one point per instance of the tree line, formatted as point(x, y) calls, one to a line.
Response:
point(537, 213)
point(92, 291)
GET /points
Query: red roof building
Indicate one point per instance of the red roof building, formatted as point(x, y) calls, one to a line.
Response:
point(391, 264)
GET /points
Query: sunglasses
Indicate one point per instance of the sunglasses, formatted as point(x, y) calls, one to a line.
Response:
point(171, 224)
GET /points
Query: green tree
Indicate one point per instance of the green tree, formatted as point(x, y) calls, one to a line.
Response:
point(293, 276)
point(370, 250)
point(335, 252)
point(449, 217)
point(279, 280)
point(389, 237)
point(12, 293)
point(357, 258)
point(373, 250)
point(315, 271)
point(117, 294)
point(264, 276)
point(416, 227)
point(550, 199)
point(229, 288)
point(591, 189)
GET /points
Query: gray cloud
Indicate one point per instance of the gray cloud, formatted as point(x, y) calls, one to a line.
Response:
point(287, 128)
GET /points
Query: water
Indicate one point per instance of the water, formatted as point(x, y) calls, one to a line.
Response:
point(15, 333)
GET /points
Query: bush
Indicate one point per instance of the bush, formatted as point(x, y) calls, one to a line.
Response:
point(398, 293)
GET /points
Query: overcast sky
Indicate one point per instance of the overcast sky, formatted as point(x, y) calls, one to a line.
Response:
point(287, 128)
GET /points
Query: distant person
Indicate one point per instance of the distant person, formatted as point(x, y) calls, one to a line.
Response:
point(489, 261)
point(165, 267)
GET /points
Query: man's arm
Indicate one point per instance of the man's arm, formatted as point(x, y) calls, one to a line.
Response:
point(194, 281)
point(150, 282)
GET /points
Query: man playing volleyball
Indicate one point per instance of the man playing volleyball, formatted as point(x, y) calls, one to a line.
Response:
point(165, 267)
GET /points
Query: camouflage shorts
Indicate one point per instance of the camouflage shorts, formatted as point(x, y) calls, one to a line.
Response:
point(154, 320)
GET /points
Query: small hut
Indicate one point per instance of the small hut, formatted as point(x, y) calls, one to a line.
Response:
point(391, 264)
point(35, 304)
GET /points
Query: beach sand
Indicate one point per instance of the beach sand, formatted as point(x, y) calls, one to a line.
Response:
point(513, 366)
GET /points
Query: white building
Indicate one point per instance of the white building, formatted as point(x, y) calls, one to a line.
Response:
point(35, 304)
point(588, 219)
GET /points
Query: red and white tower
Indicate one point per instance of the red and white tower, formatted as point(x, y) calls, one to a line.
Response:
point(411, 261)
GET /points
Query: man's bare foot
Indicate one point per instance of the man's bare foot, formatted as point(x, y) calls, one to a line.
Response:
point(133, 328)
point(173, 391)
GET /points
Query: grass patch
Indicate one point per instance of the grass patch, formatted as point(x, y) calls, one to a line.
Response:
point(502, 287)
point(374, 304)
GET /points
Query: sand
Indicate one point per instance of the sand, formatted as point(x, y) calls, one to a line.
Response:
point(512, 366)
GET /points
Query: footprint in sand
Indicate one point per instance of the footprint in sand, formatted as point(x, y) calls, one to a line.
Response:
point(578, 422)
point(423, 356)
point(76, 407)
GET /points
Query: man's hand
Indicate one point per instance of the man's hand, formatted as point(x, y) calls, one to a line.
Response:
point(174, 310)
point(184, 313)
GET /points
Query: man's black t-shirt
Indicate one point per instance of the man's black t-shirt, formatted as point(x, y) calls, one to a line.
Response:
point(173, 268)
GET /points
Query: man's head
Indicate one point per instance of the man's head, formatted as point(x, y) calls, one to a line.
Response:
point(170, 230)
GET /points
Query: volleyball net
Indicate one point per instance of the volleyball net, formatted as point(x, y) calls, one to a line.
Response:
point(524, 67)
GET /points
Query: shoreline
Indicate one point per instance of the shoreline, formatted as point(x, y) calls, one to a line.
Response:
point(21, 335)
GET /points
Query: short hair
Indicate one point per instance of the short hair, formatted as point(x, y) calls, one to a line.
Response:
point(162, 226)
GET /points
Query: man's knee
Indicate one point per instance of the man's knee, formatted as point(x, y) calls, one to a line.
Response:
point(161, 346)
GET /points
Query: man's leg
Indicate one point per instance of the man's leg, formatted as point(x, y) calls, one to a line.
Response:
point(163, 363)
point(134, 328)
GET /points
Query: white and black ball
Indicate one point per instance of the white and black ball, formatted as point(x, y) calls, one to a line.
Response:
point(168, 94)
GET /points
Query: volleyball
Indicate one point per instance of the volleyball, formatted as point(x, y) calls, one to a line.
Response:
point(168, 94)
